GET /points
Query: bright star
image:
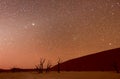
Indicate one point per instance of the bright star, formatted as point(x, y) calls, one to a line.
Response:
point(110, 44)
point(33, 24)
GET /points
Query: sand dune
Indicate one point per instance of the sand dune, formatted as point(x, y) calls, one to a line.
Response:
point(62, 75)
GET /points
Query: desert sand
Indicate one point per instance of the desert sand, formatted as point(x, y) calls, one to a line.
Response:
point(62, 75)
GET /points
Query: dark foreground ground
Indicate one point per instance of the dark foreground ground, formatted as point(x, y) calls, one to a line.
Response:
point(62, 75)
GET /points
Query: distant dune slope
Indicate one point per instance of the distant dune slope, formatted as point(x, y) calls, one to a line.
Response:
point(103, 61)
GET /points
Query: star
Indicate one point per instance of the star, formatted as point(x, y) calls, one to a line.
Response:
point(110, 44)
point(26, 27)
point(112, 13)
point(92, 9)
point(74, 38)
point(112, 6)
point(33, 24)
point(118, 3)
point(103, 39)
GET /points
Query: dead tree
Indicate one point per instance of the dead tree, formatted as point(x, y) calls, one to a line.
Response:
point(58, 62)
point(115, 65)
point(39, 67)
point(48, 67)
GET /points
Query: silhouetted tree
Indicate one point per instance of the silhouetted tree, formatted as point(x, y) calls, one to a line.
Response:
point(48, 66)
point(39, 67)
point(58, 64)
point(14, 69)
point(115, 65)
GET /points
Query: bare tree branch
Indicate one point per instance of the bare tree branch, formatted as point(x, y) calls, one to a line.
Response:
point(58, 62)
point(48, 66)
point(39, 67)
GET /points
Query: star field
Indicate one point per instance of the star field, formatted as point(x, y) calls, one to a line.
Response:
point(30, 29)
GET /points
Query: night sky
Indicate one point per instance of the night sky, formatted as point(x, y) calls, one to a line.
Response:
point(34, 29)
